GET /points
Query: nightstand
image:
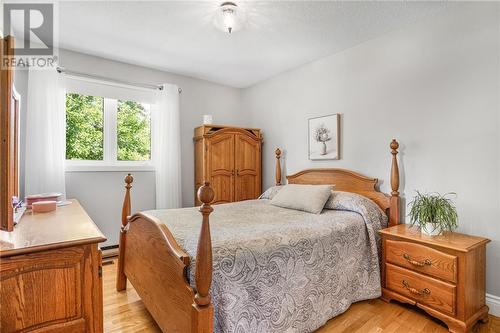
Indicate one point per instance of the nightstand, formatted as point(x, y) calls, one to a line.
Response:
point(443, 275)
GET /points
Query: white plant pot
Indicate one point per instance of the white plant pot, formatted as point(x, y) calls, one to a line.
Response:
point(430, 229)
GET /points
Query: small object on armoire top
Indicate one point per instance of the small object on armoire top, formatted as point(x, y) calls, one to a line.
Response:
point(207, 119)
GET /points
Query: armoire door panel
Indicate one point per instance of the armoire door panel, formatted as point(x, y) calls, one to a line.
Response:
point(221, 156)
point(221, 167)
point(248, 165)
point(223, 188)
point(246, 187)
point(248, 157)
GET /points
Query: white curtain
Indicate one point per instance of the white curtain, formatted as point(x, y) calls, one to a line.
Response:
point(45, 133)
point(166, 145)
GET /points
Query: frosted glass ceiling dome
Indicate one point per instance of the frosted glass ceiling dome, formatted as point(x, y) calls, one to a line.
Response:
point(229, 17)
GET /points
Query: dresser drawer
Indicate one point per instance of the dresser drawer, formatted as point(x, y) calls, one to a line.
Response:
point(425, 290)
point(421, 258)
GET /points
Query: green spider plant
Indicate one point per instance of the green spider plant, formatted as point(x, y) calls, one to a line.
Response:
point(434, 210)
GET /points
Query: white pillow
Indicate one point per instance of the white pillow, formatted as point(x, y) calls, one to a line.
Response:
point(308, 198)
point(270, 192)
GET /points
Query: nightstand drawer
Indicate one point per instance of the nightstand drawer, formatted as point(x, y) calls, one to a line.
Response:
point(423, 289)
point(421, 258)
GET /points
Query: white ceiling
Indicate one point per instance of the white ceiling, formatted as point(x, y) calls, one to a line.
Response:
point(179, 36)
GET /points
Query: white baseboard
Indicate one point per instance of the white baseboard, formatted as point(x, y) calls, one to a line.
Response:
point(493, 303)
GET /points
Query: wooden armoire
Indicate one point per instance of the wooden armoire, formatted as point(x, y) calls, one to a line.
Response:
point(230, 159)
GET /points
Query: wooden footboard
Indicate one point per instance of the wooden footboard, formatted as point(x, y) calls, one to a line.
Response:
point(154, 263)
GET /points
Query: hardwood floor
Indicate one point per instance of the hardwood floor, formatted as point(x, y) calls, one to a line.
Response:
point(124, 312)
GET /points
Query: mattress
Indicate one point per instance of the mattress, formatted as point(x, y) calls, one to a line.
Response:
point(282, 270)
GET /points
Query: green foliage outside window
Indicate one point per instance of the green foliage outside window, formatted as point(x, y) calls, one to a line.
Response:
point(134, 132)
point(84, 127)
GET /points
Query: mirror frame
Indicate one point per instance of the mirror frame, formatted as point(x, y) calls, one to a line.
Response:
point(9, 137)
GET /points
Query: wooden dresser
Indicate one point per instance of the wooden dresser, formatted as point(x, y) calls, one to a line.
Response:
point(50, 273)
point(443, 275)
point(230, 158)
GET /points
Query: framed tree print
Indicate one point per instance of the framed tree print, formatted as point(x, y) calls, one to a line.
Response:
point(324, 137)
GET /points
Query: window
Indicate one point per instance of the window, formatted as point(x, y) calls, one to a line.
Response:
point(134, 131)
point(106, 133)
point(84, 127)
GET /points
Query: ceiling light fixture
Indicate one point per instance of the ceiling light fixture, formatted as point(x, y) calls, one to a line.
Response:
point(228, 18)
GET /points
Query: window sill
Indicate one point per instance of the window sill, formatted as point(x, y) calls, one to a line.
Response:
point(109, 168)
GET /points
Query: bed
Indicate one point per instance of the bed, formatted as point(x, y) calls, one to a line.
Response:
point(255, 267)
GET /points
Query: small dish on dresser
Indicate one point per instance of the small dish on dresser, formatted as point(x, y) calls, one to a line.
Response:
point(53, 196)
point(43, 206)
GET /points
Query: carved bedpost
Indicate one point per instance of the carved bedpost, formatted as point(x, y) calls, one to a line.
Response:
point(203, 310)
point(278, 166)
point(394, 214)
point(121, 279)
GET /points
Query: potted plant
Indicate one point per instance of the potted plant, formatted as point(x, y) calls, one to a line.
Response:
point(433, 212)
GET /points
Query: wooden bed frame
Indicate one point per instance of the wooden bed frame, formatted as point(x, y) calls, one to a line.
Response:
point(153, 261)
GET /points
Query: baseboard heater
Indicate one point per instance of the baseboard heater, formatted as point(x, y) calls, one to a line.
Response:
point(109, 252)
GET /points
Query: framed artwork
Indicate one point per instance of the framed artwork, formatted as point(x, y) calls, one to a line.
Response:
point(324, 137)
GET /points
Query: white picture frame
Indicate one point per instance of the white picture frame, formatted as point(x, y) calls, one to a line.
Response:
point(324, 137)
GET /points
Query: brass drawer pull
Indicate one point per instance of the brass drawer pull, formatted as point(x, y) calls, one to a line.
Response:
point(427, 262)
point(414, 291)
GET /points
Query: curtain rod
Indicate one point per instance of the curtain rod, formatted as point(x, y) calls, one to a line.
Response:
point(62, 70)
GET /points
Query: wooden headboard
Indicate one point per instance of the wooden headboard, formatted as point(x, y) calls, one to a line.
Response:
point(350, 181)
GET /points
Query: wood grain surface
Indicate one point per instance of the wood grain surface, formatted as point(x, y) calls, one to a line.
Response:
point(124, 312)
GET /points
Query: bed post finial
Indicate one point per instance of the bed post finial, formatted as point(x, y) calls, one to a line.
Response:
point(121, 279)
point(394, 214)
point(126, 202)
point(203, 274)
point(278, 166)
point(394, 168)
point(128, 180)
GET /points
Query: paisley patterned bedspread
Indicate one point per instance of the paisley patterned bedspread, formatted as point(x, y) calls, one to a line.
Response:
point(282, 270)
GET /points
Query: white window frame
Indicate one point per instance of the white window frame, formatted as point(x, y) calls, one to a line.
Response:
point(110, 160)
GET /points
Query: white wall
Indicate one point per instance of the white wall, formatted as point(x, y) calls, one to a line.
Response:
point(433, 85)
point(101, 193)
